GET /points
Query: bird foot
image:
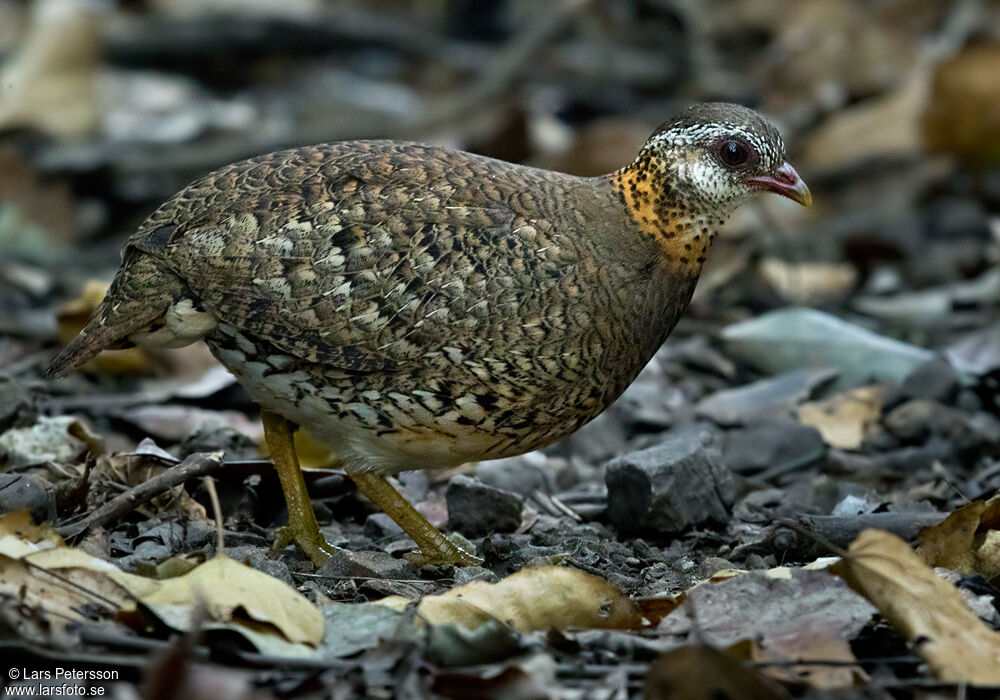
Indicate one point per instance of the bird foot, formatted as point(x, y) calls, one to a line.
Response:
point(446, 554)
point(313, 544)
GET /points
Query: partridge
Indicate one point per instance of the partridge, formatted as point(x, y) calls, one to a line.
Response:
point(420, 307)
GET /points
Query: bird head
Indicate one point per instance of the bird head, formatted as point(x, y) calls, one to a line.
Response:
point(717, 155)
point(695, 169)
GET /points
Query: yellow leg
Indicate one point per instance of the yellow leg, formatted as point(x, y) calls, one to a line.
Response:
point(302, 528)
point(435, 547)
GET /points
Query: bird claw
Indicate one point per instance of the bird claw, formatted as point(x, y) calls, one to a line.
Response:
point(314, 545)
point(449, 554)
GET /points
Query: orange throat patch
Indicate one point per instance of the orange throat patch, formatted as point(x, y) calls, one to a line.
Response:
point(656, 206)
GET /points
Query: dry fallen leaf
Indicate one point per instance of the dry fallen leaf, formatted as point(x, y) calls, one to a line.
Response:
point(967, 541)
point(533, 599)
point(702, 672)
point(846, 419)
point(887, 126)
point(927, 610)
point(793, 616)
point(50, 83)
point(230, 591)
point(963, 114)
point(221, 589)
point(809, 283)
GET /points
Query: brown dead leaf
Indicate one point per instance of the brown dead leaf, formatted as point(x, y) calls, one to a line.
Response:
point(809, 283)
point(702, 672)
point(43, 209)
point(846, 419)
point(232, 592)
point(927, 610)
point(963, 114)
point(18, 524)
point(36, 567)
point(533, 599)
point(806, 644)
point(967, 541)
point(51, 83)
point(887, 126)
point(44, 575)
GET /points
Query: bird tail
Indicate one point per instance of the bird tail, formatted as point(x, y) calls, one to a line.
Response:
point(140, 294)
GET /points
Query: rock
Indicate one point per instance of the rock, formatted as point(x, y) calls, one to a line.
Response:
point(795, 338)
point(666, 489)
point(476, 509)
point(598, 440)
point(522, 475)
point(346, 564)
point(379, 525)
point(977, 353)
point(917, 420)
point(18, 491)
point(467, 574)
point(951, 218)
point(936, 380)
point(208, 438)
point(771, 445)
point(782, 393)
point(14, 404)
point(258, 558)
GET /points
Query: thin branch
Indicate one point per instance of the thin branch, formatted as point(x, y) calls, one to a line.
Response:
point(196, 465)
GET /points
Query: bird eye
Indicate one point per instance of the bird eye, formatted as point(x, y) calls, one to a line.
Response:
point(734, 154)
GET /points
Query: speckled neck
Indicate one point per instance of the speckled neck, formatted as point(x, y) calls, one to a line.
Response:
point(649, 189)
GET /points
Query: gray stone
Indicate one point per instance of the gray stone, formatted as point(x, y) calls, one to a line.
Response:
point(467, 574)
point(936, 380)
point(774, 394)
point(915, 420)
point(788, 339)
point(14, 404)
point(476, 509)
point(771, 445)
point(666, 489)
point(346, 564)
point(18, 491)
point(379, 525)
point(259, 558)
point(522, 475)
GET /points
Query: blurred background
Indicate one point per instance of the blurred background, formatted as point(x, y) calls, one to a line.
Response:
point(891, 109)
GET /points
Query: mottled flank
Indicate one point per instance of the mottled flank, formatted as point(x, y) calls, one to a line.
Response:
point(418, 306)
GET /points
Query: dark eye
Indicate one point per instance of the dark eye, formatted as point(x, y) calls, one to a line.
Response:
point(734, 154)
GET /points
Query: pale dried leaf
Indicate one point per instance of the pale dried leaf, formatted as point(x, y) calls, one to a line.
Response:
point(927, 610)
point(846, 419)
point(967, 541)
point(230, 590)
point(809, 283)
point(702, 672)
point(532, 599)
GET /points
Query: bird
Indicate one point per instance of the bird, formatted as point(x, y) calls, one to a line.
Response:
point(416, 306)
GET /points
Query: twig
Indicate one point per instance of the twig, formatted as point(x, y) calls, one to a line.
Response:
point(217, 510)
point(196, 465)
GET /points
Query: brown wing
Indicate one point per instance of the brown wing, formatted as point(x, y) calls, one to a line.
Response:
point(365, 255)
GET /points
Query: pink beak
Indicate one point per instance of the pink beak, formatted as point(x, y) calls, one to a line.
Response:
point(786, 182)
